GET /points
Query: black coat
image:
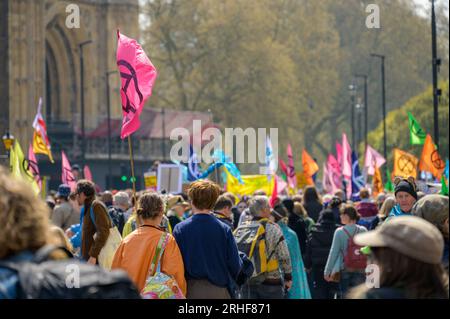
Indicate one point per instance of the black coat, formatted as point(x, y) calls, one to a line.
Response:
point(298, 225)
point(319, 244)
point(236, 215)
point(313, 209)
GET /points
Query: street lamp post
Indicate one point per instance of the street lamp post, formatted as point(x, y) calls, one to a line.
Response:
point(436, 63)
point(352, 88)
point(83, 132)
point(358, 110)
point(163, 145)
point(109, 181)
point(383, 100)
point(8, 142)
point(366, 107)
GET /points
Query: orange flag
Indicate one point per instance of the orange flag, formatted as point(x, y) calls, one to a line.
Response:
point(430, 160)
point(377, 185)
point(405, 164)
point(310, 167)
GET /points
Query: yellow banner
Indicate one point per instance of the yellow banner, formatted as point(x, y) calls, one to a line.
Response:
point(150, 181)
point(252, 183)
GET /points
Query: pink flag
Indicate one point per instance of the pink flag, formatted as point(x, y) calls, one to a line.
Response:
point(137, 75)
point(87, 173)
point(333, 164)
point(32, 161)
point(346, 157)
point(334, 179)
point(282, 185)
point(347, 164)
point(67, 175)
point(339, 155)
point(326, 180)
point(283, 166)
point(274, 196)
point(373, 160)
point(334, 170)
point(292, 178)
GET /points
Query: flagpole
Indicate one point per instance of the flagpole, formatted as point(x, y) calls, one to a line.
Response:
point(44, 187)
point(216, 173)
point(133, 179)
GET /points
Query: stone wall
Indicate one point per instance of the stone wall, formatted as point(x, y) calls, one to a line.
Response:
point(41, 58)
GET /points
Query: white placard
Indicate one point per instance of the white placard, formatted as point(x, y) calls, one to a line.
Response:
point(170, 178)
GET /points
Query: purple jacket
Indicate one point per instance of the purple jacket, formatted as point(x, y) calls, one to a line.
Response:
point(366, 209)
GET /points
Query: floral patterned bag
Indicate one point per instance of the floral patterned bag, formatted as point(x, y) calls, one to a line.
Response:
point(159, 285)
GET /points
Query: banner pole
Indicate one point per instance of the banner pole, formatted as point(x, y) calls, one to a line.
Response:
point(133, 179)
point(44, 187)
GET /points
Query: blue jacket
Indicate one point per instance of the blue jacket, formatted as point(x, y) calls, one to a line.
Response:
point(209, 250)
point(9, 278)
point(396, 211)
point(75, 240)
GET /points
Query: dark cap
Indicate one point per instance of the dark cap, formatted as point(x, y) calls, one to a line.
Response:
point(63, 190)
point(407, 186)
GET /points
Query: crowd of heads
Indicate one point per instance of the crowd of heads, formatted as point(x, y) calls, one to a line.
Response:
point(407, 251)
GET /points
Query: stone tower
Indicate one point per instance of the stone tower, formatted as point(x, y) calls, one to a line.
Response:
point(40, 57)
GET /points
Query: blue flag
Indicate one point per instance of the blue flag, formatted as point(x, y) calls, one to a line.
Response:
point(446, 169)
point(357, 177)
point(190, 170)
point(221, 159)
point(271, 160)
point(210, 169)
point(193, 171)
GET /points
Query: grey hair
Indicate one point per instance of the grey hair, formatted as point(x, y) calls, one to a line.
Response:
point(121, 198)
point(258, 204)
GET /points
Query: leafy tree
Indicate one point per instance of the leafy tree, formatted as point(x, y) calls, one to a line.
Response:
point(421, 106)
point(287, 63)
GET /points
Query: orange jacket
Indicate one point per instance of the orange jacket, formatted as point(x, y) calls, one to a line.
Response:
point(136, 252)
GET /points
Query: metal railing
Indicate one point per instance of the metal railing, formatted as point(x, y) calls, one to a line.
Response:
point(143, 150)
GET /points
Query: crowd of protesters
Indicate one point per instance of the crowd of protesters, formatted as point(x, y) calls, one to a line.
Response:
point(214, 244)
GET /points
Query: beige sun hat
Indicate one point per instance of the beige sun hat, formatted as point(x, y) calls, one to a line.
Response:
point(409, 235)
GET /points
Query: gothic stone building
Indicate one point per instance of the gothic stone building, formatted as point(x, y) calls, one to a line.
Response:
point(40, 56)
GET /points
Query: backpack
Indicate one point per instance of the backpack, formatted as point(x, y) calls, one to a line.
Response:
point(106, 256)
point(251, 240)
point(159, 285)
point(117, 217)
point(42, 278)
point(354, 259)
point(367, 222)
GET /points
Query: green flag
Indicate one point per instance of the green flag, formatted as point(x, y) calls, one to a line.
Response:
point(416, 134)
point(388, 185)
point(444, 188)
